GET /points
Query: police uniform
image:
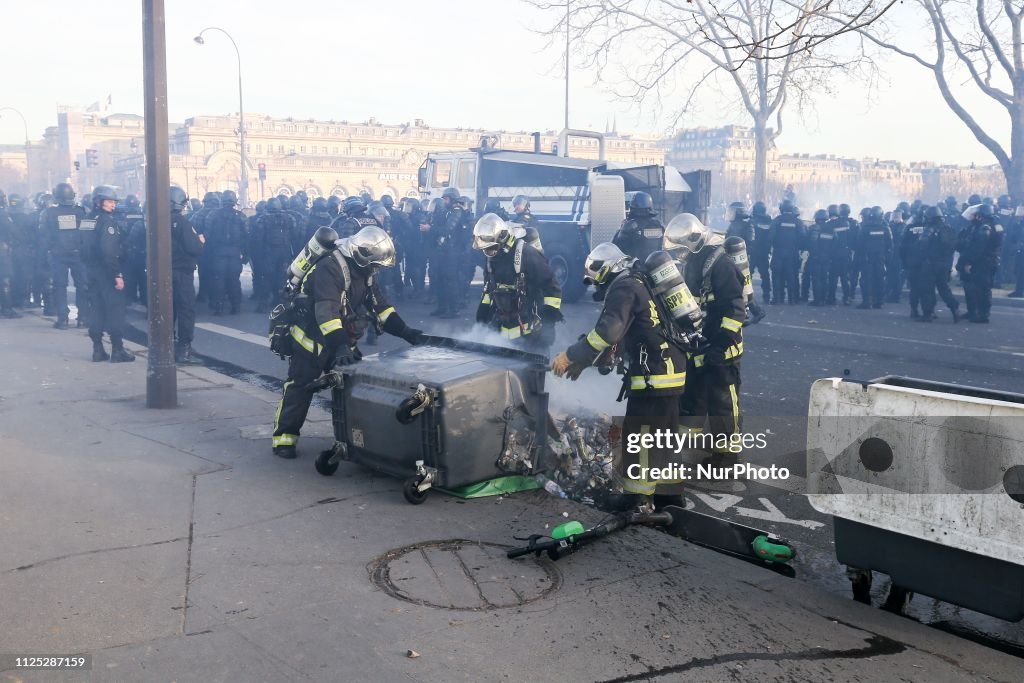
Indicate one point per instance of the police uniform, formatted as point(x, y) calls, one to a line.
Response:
point(6, 266)
point(760, 252)
point(444, 232)
point(640, 236)
point(980, 246)
point(186, 250)
point(275, 238)
point(226, 243)
point(873, 252)
point(713, 372)
point(521, 297)
point(839, 259)
point(787, 233)
point(135, 284)
point(103, 260)
point(65, 244)
point(335, 307)
point(655, 368)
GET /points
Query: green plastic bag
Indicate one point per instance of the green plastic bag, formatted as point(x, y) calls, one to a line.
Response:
point(500, 486)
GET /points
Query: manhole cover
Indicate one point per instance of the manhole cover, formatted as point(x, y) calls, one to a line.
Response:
point(463, 575)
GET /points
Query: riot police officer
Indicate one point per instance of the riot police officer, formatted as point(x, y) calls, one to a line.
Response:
point(225, 243)
point(135, 256)
point(211, 202)
point(415, 246)
point(820, 244)
point(641, 233)
point(894, 276)
point(24, 243)
point(254, 253)
point(340, 298)
point(444, 227)
point(713, 371)
point(319, 217)
point(103, 260)
point(353, 217)
point(6, 266)
point(787, 237)
point(761, 248)
point(521, 298)
point(522, 213)
point(980, 245)
point(937, 242)
point(655, 369)
point(42, 279)
point(873, 253)
point(912, 262)
point(63, 238)
point(186, 248)
point(333, 206)
point(275, 237)
point(841, 229)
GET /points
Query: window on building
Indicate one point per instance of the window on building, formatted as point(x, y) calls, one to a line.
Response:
point(302, 149)
point(259, 149)
point(280, 149)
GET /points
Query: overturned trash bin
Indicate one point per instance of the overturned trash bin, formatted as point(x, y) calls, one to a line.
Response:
point(439, 414)
point(925, 482)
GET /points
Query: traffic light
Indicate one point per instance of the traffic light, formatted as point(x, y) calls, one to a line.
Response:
point(262, 167)
point(92, 158)
point(78, 166)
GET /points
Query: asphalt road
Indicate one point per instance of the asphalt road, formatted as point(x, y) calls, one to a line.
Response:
point(784, 355)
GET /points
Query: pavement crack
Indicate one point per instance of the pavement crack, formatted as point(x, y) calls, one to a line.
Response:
point(877, 646)
point(188, 552)
point(97, 551)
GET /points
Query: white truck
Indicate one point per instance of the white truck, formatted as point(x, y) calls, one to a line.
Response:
point(578, 202)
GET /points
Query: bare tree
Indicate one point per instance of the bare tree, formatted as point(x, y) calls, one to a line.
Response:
point(771, 54)
point(981, 41)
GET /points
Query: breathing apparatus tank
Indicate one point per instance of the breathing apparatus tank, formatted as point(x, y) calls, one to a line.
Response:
point(736, 248)
point(321, 243)
point(672, 294)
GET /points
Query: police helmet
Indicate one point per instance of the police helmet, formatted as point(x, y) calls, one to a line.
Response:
point(228, 198)
point(179, 200)
point(434, 204)
point(451, 194)
point(932, 213)
point(787, 206)
point(261, 206)
point(984, 211)
point(820, 216)
point(302, 197)
point(491, 234)
point(64, 194)
point(273, 205)
point(370, 248)
point(283, 198)
point(380, 214)
point(388, 201)
point(467, 202)
point(211, 200)
point(320, 205)
point(333, 202)
point(492, 206)
point(833, 210)
point(409, 205)
point(100, 194)
point(844, 210)
point(685, 231)
point(974, 199)
point(520, 203)
point(16, 203)
point(641, 204)
point(951, 201)
point(897, 215)
point(732, 213)
point(353, 206)
point(875, 212)
point(604, 260)
point(43, 200)
point(759, 209)
point(904, 207)
point(366, 197)
point(1003, 201)
point(132, 202)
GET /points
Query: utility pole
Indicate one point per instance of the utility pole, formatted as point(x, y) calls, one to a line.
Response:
point(566, 153)
point(161, 375)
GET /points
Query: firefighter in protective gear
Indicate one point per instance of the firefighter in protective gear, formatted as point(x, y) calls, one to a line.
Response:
point(655, 368)
point(641, 233)
point(713, 371)
point(338, 298)
point(521, 298)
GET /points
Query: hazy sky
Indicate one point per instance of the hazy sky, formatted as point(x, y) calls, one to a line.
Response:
point(452, 63)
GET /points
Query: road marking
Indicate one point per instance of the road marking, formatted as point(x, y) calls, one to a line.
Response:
point(902, 340)
point(720, 503)
point(234, 334)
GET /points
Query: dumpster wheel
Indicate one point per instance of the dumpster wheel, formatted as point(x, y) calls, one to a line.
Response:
point(411, 491)
point(324, 465)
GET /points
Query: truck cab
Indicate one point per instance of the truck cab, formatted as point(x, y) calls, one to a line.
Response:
point(578, 202)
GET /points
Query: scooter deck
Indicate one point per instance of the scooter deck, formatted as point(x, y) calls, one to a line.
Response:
point(720, 534)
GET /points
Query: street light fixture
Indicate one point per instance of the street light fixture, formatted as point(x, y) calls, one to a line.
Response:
point(243, 184)
point(28, 167)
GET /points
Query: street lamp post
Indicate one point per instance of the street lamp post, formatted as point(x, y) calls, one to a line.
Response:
point(28, 163)
point(243, 183)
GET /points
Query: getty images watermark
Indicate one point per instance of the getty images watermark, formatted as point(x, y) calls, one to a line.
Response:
point(671, 442)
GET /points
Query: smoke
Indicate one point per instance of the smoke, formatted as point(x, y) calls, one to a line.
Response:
point(591, 396)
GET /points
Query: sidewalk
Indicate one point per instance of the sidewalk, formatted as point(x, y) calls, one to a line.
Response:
point(172, 546)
